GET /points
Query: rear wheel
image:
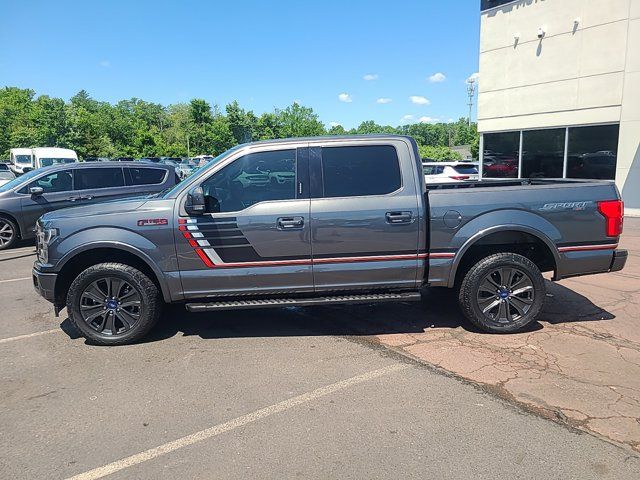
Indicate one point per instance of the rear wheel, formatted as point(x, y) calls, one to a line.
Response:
point(113, 304)
point(502, 293)
point(8, 233)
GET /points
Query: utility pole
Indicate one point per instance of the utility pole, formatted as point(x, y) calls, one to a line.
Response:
point(471, 90)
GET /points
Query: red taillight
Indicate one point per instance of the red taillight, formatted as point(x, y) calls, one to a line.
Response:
point(459, 177)
point(612, 211)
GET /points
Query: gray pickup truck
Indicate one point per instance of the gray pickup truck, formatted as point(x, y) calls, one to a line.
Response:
point(323, 221)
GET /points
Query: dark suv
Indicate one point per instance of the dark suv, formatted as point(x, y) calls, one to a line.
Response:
point(25, 199)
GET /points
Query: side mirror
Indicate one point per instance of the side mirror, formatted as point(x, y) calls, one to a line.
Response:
point(36, 191)
point(195, 202)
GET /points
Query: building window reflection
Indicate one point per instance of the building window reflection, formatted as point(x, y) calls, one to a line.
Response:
point(592, 152)
point(500, 155)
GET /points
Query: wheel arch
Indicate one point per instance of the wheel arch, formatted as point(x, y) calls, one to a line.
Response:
point(86, 255)
point(513, 238)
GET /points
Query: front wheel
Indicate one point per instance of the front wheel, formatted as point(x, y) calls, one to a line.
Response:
point(502, 293)
point(8, 233)
point(113, 304)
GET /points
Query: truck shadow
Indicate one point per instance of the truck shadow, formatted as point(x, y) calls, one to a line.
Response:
point(437, 310)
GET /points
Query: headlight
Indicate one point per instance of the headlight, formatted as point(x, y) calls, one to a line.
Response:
point(44, 236)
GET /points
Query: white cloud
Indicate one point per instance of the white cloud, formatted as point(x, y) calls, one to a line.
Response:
point(345, 97)
point(437, 77)
point(105, 63)
point(370, 76)
point(406, 118)
point(428, 120)
point(383, 100)
point(474, 77)
point(334, 124)
point(419, 100)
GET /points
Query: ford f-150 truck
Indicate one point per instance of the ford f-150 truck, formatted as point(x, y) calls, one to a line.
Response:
point(323, 220)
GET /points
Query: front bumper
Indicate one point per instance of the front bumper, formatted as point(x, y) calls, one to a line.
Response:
point(619, 260)
point(44, 284)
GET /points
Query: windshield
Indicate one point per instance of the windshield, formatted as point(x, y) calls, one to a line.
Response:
point(169, 192)
point(47, 162)
point(18, 181)
point(24, 159)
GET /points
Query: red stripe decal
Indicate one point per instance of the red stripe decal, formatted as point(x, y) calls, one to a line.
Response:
point(182, 228)
point(442, 255)
point(580, 248)
point(186, 235)
point(193, 243)
point(182, 221)
point(203, 256)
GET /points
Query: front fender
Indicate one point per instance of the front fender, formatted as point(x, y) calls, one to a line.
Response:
point(502, 221)
point(120, 239)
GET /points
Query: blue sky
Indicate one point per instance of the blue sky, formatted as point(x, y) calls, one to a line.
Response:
point(379, 55)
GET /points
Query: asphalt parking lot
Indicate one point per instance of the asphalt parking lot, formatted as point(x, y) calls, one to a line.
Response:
point(309, 393)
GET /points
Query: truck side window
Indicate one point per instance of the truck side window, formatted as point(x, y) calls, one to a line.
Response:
point(256, 177)
point(360, 171)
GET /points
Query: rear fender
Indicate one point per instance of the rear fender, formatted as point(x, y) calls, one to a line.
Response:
point(502, 221)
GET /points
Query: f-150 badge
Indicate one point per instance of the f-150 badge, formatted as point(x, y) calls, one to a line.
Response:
point(153, 222)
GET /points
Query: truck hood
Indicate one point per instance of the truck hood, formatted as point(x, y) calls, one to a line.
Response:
point(103, 208)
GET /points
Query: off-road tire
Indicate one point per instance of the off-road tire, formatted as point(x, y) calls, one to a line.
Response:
point(469, 291)
point(151, 302)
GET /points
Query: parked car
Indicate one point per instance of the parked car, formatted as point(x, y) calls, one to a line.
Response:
point(185, 168)
point(20, 158)
point(358, 225)
point(150, 159)
point(124, 159)
point(201, 160)
point(444, 172)
point(26, 198)
point(47, 156)
point(6, 175)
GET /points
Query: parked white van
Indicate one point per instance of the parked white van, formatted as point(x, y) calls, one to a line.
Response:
point(19, 159)
point(47, 156)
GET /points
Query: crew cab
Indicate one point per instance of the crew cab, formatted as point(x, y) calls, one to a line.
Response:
point(323, 220)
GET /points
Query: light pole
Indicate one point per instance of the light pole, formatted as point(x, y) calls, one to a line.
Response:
point(471, 90)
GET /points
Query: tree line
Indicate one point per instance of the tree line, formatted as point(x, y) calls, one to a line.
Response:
point(137, 128)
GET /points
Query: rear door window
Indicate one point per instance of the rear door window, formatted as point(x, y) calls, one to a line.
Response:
point(96, 178)
point(360, 171)
point(145, 176)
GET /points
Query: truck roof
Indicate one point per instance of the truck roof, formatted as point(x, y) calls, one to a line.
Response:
point(21, 151)
point(330, 137)
point(43, 151)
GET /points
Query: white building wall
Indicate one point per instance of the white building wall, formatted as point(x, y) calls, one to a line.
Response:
point(585, 70)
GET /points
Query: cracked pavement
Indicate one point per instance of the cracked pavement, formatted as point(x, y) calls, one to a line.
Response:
point(579, 365)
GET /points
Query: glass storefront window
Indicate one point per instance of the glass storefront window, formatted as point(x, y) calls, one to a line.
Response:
point(592, 152)
point(500, 155)
point(543, 153)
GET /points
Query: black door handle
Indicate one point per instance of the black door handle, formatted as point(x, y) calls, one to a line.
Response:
point(290, 223)
point(399, 217)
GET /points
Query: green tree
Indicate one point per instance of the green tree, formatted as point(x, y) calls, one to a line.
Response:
point(299, 121)
point(438, 153)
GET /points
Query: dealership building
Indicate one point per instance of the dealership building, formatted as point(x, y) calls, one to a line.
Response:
point(559, 91)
